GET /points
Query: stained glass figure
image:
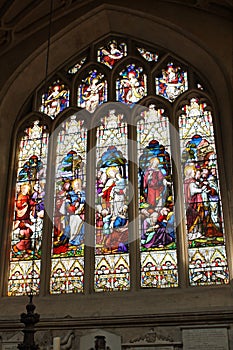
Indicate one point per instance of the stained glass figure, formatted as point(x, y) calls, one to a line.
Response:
point(172, 82)
point(207, 256)
point(131, 87)
point(112, 258)
point(147, 55)
point(27, 226)
point(69, 213)
point(112, 53)
point(55, 100)
point(93, 91)
point(73, 70)
point(156, 204)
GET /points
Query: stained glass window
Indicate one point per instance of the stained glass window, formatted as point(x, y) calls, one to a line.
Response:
point(111, 53)
point(172, 82)
point(156, 203)
point(121, 141)
point(93, 91)
point(131, 87)
point(55, 100)
point(204, 221)
point(112, 257)
point(69, 213)
point(26, 234)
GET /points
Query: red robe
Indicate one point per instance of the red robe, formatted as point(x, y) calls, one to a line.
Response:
point(153, 181)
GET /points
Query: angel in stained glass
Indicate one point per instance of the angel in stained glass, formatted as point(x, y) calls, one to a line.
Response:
point(92, 91)
point(56, 100)
point(132, 86)
point(172, 83)
point(112, 54)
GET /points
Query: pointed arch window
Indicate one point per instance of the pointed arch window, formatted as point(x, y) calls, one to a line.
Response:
point(29, 208)
point(112, 236)
point(67, 268)
point(156, 201)
point(123, 159)
point(204, 221)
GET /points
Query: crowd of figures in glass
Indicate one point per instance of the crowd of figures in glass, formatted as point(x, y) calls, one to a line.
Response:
point(111, 53)
point(93, 91)
point(69, 212)
point(156, 205)
point(202, 197)
point(172, 82)
point(55, 100)
point(131, 87)
point(112, 260)
point(28, 212)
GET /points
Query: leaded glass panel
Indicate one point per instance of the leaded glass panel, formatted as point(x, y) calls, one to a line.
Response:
point(26, 234)
point(131, 86)
point(156, 203)
point(92, 92)
point(74, 69)
point(111, 53)
point(111, 223)
point(172, 82)
point(69, 213)
point(204, 221)
point(55, 100)
point(148, 55)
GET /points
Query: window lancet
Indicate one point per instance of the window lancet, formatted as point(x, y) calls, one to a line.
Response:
point(112, 237)
point(26, 234)
point(156, 201)
point(127, 146)
point(204, 221)
point(69, 208)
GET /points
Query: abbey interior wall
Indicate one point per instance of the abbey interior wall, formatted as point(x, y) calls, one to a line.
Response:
point(139, 318)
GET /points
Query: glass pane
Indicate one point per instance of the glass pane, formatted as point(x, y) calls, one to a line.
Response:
point(77, 66)
point(55, 100)
point(172, 82)
point(111, 53)
point(112, 258)
point(131, 87)
point(147, 55)
point(205, 232)
point(27, 226)
point(69, 213)
point(93, 91)
point(156, 204)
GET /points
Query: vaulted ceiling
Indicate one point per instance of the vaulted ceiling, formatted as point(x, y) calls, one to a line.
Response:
point(20, 19)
